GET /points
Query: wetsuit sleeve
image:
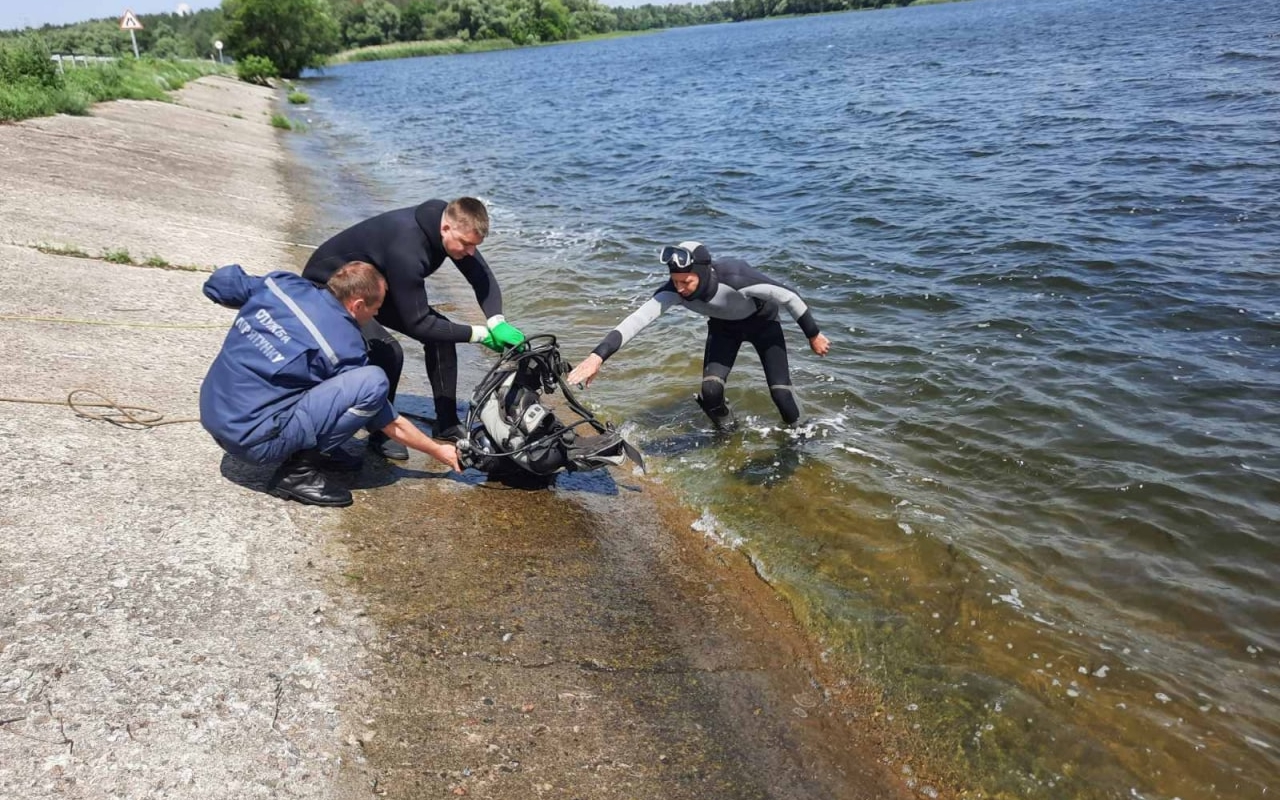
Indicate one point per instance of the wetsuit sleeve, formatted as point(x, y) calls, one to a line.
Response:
point(488, 294)
point(769, 290)
point(230, 286)
point(407, 291)
point(636, 322)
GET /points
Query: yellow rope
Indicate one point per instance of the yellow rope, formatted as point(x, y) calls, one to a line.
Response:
point(11, 318)
point(131, 417)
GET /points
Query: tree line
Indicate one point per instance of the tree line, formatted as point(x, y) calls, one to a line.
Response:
point(295, 34)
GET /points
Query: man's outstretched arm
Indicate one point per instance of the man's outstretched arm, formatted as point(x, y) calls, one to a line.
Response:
point(407, 434)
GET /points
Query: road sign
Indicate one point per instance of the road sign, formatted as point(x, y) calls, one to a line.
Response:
point(130, 22)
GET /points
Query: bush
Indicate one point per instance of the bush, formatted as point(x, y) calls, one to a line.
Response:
point(257, 69)
point(27, 60)
point(292, 34)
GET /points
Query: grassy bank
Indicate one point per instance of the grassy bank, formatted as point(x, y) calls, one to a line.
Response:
point(32, 86)
point(435, 47)
point(449, 47)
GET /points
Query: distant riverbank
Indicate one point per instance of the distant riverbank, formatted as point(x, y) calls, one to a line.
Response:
point(451, 47)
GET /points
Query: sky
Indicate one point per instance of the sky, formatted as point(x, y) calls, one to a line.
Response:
point(34, 13)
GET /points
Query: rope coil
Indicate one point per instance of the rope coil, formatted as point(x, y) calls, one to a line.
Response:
point(134, 418)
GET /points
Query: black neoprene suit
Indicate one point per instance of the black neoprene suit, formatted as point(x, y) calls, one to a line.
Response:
point(406, 247)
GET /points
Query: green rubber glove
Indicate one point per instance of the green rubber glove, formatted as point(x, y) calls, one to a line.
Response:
point(506, 334)
point(491, 343)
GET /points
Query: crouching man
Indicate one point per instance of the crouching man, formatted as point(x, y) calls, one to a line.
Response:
point(292, 382)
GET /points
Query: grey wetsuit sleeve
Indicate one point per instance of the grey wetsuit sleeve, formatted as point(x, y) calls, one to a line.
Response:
point(788, 299)
point(634, 323)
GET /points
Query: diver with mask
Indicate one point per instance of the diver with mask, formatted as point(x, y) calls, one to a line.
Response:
point(742, 306)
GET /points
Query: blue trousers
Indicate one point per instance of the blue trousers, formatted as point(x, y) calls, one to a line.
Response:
point(325, 416)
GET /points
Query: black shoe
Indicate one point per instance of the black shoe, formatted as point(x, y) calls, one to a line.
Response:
point(449, 433)
point(387, 447)
point(339, 460)
point(722, 418)
point(299, 479)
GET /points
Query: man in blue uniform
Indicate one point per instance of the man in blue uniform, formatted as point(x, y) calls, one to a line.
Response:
point(407, 246)
point(293, 382)
point(742, 305)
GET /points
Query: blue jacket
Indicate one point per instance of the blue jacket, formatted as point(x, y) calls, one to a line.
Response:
point(288, 337)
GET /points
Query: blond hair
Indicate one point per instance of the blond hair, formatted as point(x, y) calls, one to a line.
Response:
point(468, 212)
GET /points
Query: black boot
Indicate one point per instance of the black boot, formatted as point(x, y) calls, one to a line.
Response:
point(299, 478)
point(722, 418)
point(387, 447)
point(449, 432)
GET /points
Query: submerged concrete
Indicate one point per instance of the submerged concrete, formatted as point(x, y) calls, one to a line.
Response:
point(168, 630)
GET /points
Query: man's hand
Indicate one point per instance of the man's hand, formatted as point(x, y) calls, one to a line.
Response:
point(481, 335)
point(406, 433)
point(506, 334)
point(585, 372)
point(448, 455)
point(820, 344)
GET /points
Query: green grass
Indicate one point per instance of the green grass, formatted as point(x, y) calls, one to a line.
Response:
point(451, 47)
point(281, 121)
point(120, 256)
point(299, 98)
point(74, 91)
point(62, 250)
point(435, 47)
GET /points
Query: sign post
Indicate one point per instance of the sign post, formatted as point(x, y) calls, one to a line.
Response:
point(218, 44)
point(129, 22)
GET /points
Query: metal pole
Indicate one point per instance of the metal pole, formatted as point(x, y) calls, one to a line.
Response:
point(134, 37)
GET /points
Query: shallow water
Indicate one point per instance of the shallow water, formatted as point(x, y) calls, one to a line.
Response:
point(1037, 492)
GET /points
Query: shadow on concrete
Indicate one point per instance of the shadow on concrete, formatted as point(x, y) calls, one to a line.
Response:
point(375, 473)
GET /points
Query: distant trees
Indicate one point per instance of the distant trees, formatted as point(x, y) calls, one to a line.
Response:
point(296, 34)
point(291, 34)
point(368, 23)
point(162, 36)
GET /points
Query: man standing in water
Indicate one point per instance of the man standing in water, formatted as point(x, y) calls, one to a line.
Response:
point(292, 381)
point(742, 305)
point(407, 246)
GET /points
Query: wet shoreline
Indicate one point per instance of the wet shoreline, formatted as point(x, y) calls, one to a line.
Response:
point(583, 641)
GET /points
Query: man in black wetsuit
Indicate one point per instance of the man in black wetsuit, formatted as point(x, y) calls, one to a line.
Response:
point(407, 246)
point(742, 305)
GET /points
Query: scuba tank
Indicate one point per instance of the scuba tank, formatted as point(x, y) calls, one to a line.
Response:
point(509, 426)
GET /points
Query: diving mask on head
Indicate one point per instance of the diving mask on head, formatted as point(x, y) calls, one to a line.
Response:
point(682, 257)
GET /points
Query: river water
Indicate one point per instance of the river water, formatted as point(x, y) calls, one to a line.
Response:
point(1037, 494)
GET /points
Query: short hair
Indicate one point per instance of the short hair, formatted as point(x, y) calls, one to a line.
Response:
point(358, 279)
point(469, 212)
